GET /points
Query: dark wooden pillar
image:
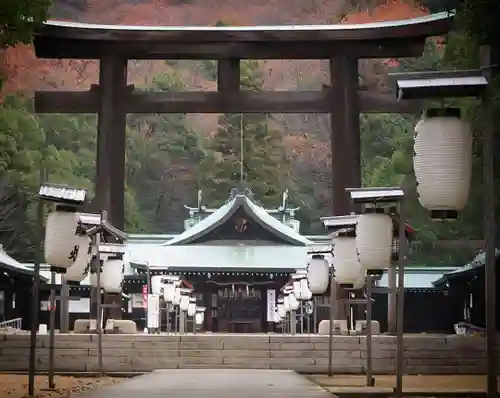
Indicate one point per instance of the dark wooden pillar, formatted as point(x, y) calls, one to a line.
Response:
point(228, 75)
point(110, 178)
point(345, 142)
point(345, 132)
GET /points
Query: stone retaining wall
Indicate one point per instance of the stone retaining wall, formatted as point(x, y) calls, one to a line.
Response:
point(142, 353)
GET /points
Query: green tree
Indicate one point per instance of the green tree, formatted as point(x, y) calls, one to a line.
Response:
point(19, 19)
point(162, 152)
point(247, 137)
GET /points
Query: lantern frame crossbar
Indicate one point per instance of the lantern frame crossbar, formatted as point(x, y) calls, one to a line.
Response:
point(319, 253)
point(299, 275)
point(376, 195)
point(439, 84)
point(349, 232)
point(96, 223)
point(111, 248)
point(62, 194)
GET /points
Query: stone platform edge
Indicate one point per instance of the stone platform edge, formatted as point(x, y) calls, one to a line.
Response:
point(424, 354)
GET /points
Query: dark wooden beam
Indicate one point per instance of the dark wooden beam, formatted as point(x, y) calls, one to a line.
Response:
point(216, 102)
point(429, 25)
point(86, 49)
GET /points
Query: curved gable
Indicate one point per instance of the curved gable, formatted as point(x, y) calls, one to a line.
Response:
point(217, 221)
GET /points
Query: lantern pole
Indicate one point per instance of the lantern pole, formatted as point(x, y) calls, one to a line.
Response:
point(301, 316)
point(35, 302)
point(489, 227)
point(400, 301)
point(370, 382)
point(330, 327)
point(52, 326)
point(149, 290)
point(98, 300)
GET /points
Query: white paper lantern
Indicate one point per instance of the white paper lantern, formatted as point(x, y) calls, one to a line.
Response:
point(296, 287)
point(318, 274)
point(293, 302)
point(168, 292)
point(78, 271)
point(361, 280)
point(304, 292)
point(198, 318)
point(61, 241)
point(191, 311)
point(184, 302)
point(443, 161)
point(281, 310)
point(112, 275)
point(176, 297)
point(156, 284)
point(347, 267)
point(374, 240)
point(286, 303)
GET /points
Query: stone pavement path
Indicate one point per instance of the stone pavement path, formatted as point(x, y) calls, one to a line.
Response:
point(217, 383)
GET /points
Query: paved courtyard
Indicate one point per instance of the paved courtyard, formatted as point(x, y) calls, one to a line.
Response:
point(217, 383)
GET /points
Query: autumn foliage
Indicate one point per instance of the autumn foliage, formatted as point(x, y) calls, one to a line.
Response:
point(24, 72)
point(306, 145)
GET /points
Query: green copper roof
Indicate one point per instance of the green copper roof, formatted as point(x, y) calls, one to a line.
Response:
point(243, 257)
point(475, 265)
point(257, 213)
point(9, 264)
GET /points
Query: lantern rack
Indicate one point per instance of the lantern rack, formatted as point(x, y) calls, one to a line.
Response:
point(461, 84)
point(382, 200)
point(97, 227)
point(68, 199)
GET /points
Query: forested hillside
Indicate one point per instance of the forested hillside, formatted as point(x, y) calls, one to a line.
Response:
point(169, 157)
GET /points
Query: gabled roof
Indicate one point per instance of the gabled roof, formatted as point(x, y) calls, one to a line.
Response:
point(467, 270)
point(224, 213)
point(8, 263)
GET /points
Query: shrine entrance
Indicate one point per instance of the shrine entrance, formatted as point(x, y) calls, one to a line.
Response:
point(342, 45)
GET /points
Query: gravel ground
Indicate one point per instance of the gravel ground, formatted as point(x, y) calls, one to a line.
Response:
point(16, 386)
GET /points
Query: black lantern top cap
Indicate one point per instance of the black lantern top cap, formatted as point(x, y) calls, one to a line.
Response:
point(335, 223)
point(62, 194)
point(376, 195)
point(439, 84)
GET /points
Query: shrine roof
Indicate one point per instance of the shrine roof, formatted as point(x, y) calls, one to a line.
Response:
point(224, 213)
point(9, 264)
point(61, 39)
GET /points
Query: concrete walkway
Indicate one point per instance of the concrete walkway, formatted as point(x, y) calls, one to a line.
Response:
point(217, 383)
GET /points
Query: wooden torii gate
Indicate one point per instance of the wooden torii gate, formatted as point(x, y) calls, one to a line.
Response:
point(113, 97)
